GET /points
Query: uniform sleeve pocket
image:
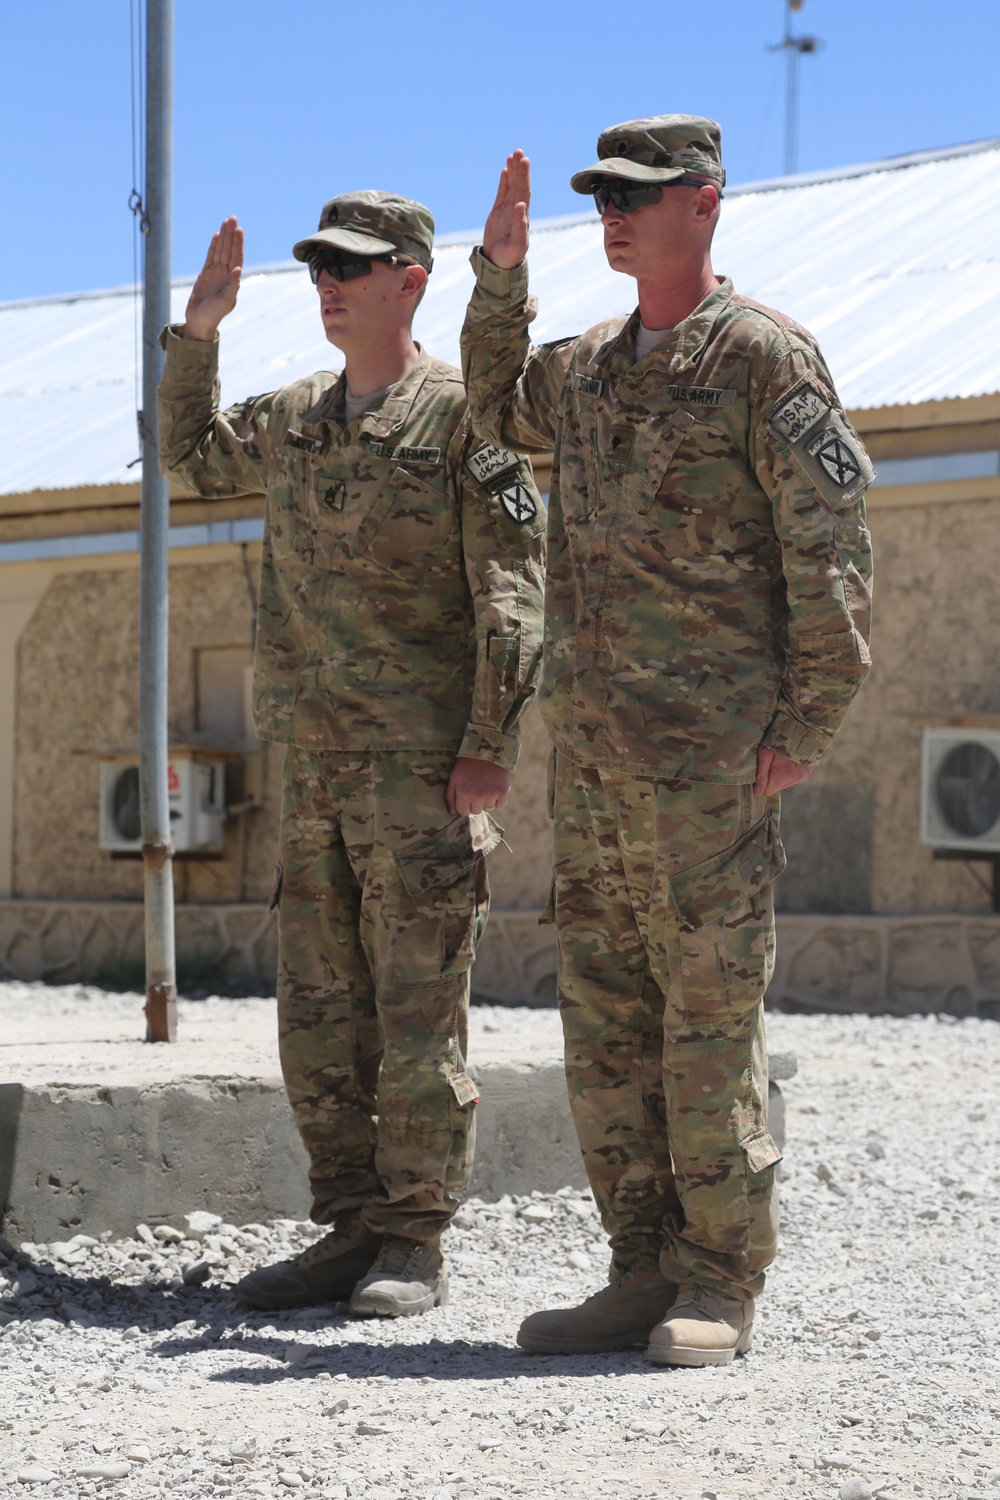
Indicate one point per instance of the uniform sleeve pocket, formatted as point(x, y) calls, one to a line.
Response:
point(443, 857)
point(729, 878)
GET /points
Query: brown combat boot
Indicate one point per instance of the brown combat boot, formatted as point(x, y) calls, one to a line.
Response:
point(325, 1272)
point(407, 1278)
point(619, 1316)
point(702, 1328)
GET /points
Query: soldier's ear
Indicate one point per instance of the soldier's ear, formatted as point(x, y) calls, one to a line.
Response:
point(412, 285)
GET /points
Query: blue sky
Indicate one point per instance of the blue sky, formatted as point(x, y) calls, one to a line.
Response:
point(279, 107)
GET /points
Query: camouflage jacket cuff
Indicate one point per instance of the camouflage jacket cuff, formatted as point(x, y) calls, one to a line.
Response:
point(801, 742)
point(482, 742)
point(192, 353)
point(512, 286)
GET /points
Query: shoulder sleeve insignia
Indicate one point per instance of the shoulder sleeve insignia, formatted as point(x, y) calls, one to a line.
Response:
point(798, 410)
point(488, 461)
point(519, 503)
point(834, 462)
point(836, 458)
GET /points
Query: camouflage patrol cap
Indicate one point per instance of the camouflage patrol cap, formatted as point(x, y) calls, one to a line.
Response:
point(372, 223)
point(660, 149)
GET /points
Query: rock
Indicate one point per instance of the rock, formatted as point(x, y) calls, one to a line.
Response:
point(199, 1224)
point(855, 1488)
point(337, 1407)
point(167, 1235)
point(149, 1384)
point(117, 1469)
point(875, 1148)
point(837, 1461)
point(34, 1474)
point(823, 1172)
point(139, 1453)
point(25, 1283)
point(146, 1235)
point(197, 1274)
point(294, 1481)
point(366, 1429)
point(132, 1333)
point(578, 1260)
point(486, 1444)
point(536, 1213)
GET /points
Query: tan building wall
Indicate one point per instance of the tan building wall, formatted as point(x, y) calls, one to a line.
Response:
point(68, 668)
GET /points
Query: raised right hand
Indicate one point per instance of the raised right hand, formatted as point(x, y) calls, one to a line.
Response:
point(214, 294)
point(505, 238)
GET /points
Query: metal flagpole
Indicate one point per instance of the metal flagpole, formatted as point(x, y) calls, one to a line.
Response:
point(157, 850)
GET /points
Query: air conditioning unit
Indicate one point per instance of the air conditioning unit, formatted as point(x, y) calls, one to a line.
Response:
point(197, 795)
point(960, 789)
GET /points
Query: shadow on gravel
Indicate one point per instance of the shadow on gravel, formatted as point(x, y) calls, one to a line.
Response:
point(432, 1360)
point(229, 1327)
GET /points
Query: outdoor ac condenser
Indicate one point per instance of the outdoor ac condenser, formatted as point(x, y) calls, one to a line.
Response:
point(197, 793)
point(960, 789)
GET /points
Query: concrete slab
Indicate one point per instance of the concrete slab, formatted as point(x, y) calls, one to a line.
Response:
point(99, 1130)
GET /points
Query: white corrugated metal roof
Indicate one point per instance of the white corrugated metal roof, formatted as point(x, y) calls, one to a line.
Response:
point(893, 265)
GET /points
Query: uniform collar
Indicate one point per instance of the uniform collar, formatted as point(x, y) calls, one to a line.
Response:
point(681, 350)
point(393, 414)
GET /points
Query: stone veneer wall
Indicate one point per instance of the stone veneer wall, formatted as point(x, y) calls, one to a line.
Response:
point(900, 965)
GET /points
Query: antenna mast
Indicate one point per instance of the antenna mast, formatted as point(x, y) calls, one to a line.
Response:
point(794, 47)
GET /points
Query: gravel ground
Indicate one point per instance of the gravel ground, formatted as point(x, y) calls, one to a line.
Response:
point(876, 1369)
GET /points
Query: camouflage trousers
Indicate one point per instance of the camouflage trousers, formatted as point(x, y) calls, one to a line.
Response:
point(381, 898)
point(664, 913)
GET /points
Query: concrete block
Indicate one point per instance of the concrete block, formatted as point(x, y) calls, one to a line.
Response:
point(81, 1158)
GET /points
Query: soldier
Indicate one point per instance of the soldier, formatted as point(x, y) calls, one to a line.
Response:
point(398, 642)
point(706, 624)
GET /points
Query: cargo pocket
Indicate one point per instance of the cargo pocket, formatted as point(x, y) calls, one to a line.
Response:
point(465, 1092)
point(723, 911)
point(275, 896)
point(444, 856)
point(760, 1150)
point(439, 915)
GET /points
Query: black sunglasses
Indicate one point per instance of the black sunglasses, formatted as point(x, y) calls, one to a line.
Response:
point(629, 195)
point(343, 266)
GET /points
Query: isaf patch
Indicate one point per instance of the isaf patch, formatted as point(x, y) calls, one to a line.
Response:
point(792, 416)
point(519, 503)
point(489, 461)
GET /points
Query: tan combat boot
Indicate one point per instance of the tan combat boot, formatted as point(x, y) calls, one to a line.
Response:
point(617, 1317)
point(407, 1278)
point(325, 1272)
point(702, 1328)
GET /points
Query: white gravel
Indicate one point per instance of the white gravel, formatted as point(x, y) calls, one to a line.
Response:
point(876, 1370)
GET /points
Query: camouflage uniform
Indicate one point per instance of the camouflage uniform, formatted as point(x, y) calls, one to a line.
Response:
point(707, 592)
point(398, 627)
